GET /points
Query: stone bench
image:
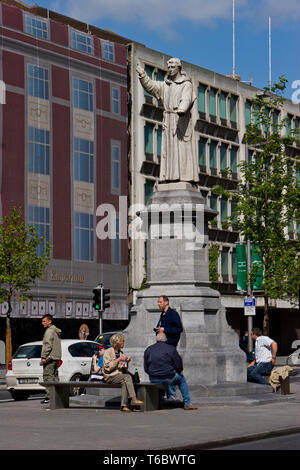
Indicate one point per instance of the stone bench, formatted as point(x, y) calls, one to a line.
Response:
point(60, 393)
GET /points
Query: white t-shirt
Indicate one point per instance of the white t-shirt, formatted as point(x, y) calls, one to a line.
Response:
point(263, 351)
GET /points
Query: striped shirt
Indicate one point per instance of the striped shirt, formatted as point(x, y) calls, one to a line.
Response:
point(263, 351)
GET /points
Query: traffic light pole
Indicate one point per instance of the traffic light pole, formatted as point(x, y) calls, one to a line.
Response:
point(100, 323)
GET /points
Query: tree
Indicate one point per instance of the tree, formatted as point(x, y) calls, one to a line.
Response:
point(267, 200)
point(20, 265)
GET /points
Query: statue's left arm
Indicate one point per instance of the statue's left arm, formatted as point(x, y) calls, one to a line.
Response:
point(186, 100)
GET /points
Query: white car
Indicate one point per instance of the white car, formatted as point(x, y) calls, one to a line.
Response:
point(25, 372)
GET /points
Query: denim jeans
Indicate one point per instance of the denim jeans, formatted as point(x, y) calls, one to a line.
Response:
point(255, 373)
point(179, 380)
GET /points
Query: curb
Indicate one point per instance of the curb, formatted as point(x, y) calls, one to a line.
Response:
point(237, 440)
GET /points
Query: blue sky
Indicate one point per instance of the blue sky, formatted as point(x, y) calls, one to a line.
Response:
point(200, 31)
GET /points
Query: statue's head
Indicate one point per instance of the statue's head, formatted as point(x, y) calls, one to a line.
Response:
point(174, 66)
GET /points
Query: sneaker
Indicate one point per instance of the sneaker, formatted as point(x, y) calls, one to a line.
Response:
point(171, 398)
point(136, 402)
point(189, 407)
point(46, 400)
point(125, 409)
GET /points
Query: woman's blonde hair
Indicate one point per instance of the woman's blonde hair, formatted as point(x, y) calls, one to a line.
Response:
point(116, 340)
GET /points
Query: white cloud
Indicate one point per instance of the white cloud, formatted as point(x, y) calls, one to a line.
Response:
point(162, 15)
point(154, 14)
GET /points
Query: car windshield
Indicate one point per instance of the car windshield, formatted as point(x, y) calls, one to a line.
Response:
point(28, 352)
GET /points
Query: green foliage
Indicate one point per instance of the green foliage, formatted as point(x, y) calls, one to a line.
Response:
point(268, 195)
point(20, 265)
point(213, 256)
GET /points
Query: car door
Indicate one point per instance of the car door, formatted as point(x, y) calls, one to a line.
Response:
point(80, 358)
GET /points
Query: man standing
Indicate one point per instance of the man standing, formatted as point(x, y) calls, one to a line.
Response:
point(169, 322)
point(164, 365)
point(265, 357)
point(51, 353)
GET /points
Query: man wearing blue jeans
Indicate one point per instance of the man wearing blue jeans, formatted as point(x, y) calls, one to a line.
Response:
point(265, 357)
point(164, 365)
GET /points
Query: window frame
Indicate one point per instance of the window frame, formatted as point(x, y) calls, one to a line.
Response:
point(80, 229)
point(87, 36)
point(34, 82)
point(115, 144)
point(29, 16)
point(111, 55)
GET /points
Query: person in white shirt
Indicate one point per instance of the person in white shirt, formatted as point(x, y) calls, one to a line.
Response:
point(265, 357)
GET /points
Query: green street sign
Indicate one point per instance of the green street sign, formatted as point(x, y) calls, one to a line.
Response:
point(241, 263)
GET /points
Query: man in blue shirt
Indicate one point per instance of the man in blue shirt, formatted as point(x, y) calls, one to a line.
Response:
point(163, 364)
point(169, 322)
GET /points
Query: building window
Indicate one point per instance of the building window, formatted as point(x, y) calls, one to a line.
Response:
point(160, 75)
point(115, 244)
point(224, 212)
point(38, 82)
point(148, 191)
point(83, 94)
point(233, 109)
point(36, 27)
point(84, 236)
point(148, 135)
point(223, 157)
point(288, 124)
point(81, 42)
point(213, 157)
point(202, 153)
point(83, 160)
point(38, 151)
point(108, 51)
point(214, 206)
point(224, 263)
point(233, 161)
point(223, 105)
point(212, 102)
point(158, 142)
point(39, 217)
point(248, 112)
point(115, 100)
point(202, 98)
point(115, 167)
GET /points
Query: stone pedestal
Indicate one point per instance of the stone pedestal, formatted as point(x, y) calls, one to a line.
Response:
point(177, 266)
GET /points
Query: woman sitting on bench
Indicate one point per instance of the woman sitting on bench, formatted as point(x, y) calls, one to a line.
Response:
point(115, 371)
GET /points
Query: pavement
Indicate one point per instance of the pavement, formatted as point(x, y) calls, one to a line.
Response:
point(28, 425)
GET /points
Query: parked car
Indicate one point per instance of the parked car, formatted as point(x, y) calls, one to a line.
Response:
point(104, 339)
point(25, 372)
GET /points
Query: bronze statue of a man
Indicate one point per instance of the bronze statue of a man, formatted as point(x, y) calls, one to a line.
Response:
point(178, 158)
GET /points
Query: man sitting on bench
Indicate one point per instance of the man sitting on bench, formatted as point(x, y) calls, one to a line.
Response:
point(265, 357)
point(163, 364)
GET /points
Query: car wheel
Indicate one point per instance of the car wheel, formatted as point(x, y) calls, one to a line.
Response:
point(17, 395)
point(74, 391)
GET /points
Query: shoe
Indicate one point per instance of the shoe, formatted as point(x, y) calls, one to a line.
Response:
point(189, 407)
point(136, 402)
point(171, 398)
point(46, 400)
point(125, 409)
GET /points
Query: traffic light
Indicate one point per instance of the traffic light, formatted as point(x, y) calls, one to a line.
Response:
point(97, 298)
point(105, 298)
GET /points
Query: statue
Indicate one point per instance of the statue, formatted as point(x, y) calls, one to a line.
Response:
point(178, 159)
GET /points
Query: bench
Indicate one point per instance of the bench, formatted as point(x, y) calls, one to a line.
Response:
point(60, 393)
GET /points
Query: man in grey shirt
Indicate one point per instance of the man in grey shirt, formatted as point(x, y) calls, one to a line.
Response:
point(265, 357)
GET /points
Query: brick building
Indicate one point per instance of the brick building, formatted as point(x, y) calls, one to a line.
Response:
point(63, 152)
